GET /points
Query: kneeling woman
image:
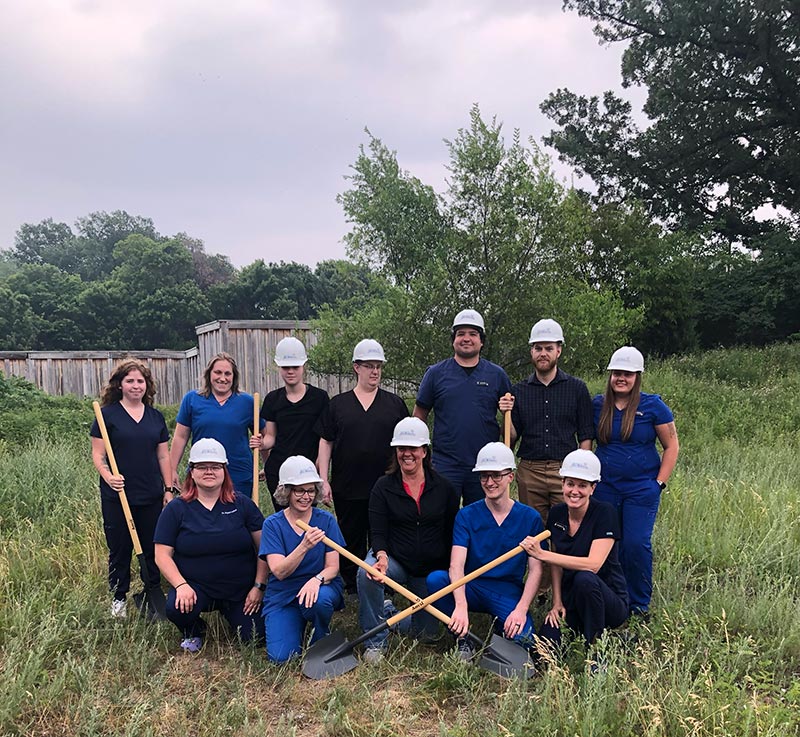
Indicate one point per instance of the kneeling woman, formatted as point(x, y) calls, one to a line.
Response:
point(304, 584)
point(206, 542)
point(589, 589)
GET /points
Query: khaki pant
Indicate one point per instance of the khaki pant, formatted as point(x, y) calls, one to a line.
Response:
point(539, 486)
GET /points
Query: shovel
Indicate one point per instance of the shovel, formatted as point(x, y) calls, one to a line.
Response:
point(507, 424)
point(256, 420)
point(151, 601)
point(333, 655)
point(500, 656)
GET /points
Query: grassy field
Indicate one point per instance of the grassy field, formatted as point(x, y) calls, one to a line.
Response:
point(720, 656)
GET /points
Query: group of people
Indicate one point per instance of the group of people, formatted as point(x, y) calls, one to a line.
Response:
point(421, 513)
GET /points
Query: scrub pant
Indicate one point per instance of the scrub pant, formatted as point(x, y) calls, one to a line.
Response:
point(483, 597)
point(191, 624)
point(272, 484)
point(637, 505)
point(539, 485)
point(120, 545)
point(591, 608)
point(284, 626)
point(370, 609)
point(353, 518)
point(465, 481)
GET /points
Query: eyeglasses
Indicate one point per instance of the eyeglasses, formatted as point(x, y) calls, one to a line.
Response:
point(207, 467)
point(299, 493)
point(370, 366)
point(497, 477)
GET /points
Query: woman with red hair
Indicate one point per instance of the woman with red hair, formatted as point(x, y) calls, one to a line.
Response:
point(206, 546)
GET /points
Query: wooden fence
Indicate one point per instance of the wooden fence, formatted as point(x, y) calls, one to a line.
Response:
point(251, 342)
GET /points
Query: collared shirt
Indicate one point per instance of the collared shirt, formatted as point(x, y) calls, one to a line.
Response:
point(553, 418)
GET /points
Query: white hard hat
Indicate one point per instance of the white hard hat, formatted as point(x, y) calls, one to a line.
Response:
point(368, 350)
point(581, 464)
point(626, 358)
point(469, 317)
point(546, 331)
point(207, 450)
point(411, 431)
point(495, 457)
point(297, 470)
point(290, 352)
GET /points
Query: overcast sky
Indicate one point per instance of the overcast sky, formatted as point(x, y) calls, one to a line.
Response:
point(236, 121)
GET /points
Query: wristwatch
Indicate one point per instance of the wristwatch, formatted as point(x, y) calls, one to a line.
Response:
point(661, 484)
point(320, 578)
point(260, 586)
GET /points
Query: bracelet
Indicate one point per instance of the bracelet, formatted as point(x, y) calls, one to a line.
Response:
point(185, 583)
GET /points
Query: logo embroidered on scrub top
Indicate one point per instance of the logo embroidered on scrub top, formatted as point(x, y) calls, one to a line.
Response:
point(232, 511)
point(481, 383)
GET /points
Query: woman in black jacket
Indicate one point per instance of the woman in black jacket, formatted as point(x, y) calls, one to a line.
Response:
point(411, 514)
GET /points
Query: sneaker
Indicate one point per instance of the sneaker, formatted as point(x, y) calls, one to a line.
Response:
point(465, 651)
point(192, 644)
point(119, 608)
point(373, 655)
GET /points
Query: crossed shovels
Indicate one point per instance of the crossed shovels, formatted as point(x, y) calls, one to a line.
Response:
point(333, 655)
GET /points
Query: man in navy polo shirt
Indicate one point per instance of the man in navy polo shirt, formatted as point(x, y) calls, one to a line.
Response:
point(463, 393)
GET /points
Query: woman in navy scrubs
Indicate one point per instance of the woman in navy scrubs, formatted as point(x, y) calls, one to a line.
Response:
point(138, 438)
point(206, 542)
point(589, 589)
point(627, 423)
point(220, 411)
point(304, 583)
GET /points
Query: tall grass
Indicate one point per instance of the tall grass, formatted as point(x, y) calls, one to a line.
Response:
point(720, 656)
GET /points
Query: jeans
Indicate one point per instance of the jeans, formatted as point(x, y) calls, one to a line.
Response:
point(370, 604)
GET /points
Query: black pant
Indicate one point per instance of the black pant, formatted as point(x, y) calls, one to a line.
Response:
point(353, 518)
point(591, 608)
point(191, 624)
point(120, 545)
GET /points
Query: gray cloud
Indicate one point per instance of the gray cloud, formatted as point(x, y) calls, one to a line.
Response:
point(237, 121)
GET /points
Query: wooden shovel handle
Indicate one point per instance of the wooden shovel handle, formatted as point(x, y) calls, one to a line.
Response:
point(423, 603)
point(137, 546)
point(256, 420)
point(507, 424)
point(399, 588)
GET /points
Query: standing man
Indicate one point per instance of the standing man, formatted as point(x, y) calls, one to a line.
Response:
point(355, 432)
point(552, 415)
point(463, 393)
point(483, 531)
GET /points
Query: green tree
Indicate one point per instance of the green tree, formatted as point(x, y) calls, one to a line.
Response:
point(17, 321)
point(260, 291)
point(53, 297)
point(495, 240)
point(723, 136)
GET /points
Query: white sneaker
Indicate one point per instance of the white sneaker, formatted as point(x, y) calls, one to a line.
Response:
point(373, 655)
point(119, 608)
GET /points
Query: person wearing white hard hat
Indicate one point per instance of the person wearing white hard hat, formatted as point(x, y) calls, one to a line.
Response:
point(290, 414)
point(463, 392)
point(589, 589)
point(221, 411)
point(411, 514)
point(206, 545)
point(355, 431)
point(304, 582)
point(551, 416)
point(482, 531)
point(627, 424)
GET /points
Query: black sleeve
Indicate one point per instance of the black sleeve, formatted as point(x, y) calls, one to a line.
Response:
point(379, 515)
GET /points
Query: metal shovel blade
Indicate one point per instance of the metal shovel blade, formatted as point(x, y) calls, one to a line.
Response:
point(152, 603)
point(506, 658)
point(329, 657)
